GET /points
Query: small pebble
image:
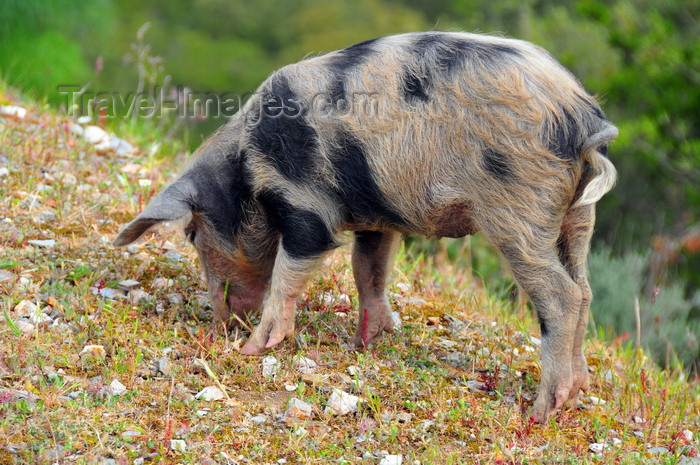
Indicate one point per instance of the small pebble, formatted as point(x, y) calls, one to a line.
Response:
point(25, 308)
point(163, 366)
point(270, 365)
point(258, 419)
point(128, 285)
point(304, 365)
point(392, 460)
point(117, 388)
point(297, 408)
point(342, 403)
point(137, 297)
point(210, 393)
point(595, 400)
point(4, 172)
point(657, 450)
point(13, 110)
point(178, 445)
point(6, 276)
point(25, 326)
point(596, 447)
point(96, 351)
point(46, 216)
point(67, 179)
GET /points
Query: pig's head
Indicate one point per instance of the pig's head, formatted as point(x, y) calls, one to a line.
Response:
point(226, 225)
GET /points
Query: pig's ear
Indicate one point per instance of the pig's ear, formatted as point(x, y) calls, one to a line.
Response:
point(170, 205)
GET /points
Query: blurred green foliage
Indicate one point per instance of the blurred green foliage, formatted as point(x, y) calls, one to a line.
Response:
point(641, 57)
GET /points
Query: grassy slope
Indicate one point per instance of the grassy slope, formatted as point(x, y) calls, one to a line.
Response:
point(464, 404)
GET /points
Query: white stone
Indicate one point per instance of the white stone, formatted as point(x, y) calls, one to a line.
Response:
point(304, 365)
point(76, 129)
point(68, 179)
point(84, 120)
point(396, 318)
point(270, 365)
point(25, 308)
point(403, 287)
point(483, 352)
point(160, 282)
point(297, 408)
point(290, 387)
point(595, 400)
point(138, 296)
point(6, 276)
point(113, 294)
point(95, 134)
point(117, 388)
point(24, 326)
point(128, 285)
point(38, 318)
point(353, 370)
point(657, 450)
point(609, 376)
point(447, 344)
point(4, 172)
point(688, 435)
point(45, 244)
point(258, 419)
point(342, 403)
point(13, 110)
point(616, 442)
point(93, 351)
point(392, 460)
point(596, 447)
point(178, 445)
point(210, 393)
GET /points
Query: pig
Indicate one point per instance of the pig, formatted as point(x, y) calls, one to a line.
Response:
point(430, 133)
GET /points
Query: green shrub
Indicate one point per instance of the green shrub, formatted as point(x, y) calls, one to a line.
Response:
point(669, 330)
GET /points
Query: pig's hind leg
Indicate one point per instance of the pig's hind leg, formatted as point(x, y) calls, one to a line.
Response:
point(372, 258)
point(574, 243)
point(529, 245)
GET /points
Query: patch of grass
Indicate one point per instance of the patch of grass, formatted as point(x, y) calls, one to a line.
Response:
point(451, 386)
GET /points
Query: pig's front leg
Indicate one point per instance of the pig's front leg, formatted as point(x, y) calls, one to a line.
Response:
point(277, 320)
point(372, 258)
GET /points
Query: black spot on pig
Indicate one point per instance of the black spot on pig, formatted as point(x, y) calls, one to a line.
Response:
point(221, 190)
point(303, 232)
point(281, 133)
point(414, 87)
point(343, 62)
point(337, 95)
point(565, 142)
point(352, 56)
point(357, 191)
point(543, 325)
point(496, 163)
point(450, 54)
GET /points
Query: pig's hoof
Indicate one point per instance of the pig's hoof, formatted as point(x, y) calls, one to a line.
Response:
point(580, 383)
point(371, 327)
point(265, 337)
point(550, 400)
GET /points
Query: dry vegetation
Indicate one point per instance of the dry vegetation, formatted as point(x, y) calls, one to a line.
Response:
point(451, 386)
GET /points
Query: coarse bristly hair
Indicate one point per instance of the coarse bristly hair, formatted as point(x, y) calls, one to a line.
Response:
point(434, 133)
